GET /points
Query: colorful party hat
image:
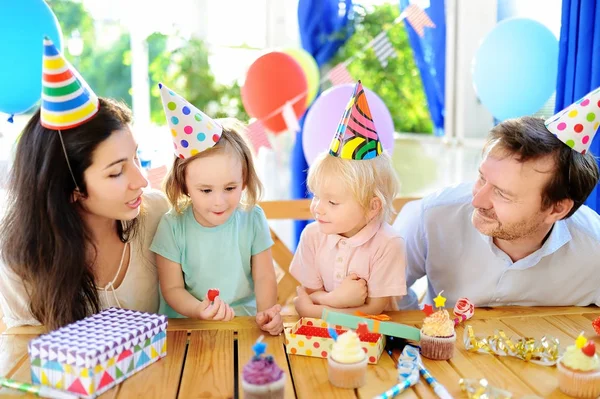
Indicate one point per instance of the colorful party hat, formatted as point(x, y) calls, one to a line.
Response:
point(193, 131)
point(356, 137)
point(577, 124)
point(67, 100)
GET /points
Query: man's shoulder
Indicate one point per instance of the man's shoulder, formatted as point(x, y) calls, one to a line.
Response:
point(585, 223)
point(455, 197)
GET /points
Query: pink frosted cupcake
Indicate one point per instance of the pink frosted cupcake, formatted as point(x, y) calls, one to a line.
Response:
point(437, 333)
point(579, 370)
point(347, 362)
point(261, 377)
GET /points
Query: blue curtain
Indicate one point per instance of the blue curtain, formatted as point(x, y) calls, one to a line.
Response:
point(430, 57)
point(324, 28)
point(579, 62)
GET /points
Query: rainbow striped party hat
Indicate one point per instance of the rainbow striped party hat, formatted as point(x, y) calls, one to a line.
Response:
point(193, 131)
point(67, 100)
point(356, 137)
point(577, 124)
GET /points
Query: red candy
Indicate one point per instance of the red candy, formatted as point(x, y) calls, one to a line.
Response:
point(589, 349)
point(212, 294)
point(596, 325)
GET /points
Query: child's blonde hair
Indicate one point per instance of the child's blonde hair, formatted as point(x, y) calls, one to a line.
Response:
point(366, 179)
point(232, 141)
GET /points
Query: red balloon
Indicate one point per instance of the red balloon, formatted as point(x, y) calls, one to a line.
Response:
point(271, 81)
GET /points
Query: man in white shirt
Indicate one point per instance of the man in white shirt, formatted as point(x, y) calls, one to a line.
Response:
point(519, 235)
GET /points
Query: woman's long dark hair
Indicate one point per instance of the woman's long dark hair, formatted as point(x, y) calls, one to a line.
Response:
point(43, 237)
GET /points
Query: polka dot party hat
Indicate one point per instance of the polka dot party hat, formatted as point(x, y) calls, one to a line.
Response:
point(356, 137)
point(67, 100)
point(577, 124)
point(193, 131)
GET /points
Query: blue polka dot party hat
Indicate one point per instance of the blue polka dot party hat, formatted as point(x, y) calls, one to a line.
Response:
point(192, 130)
point(577, 124)
point(356, 137)
point(67, 100)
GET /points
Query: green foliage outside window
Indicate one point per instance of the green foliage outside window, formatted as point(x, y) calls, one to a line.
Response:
point(399, 84)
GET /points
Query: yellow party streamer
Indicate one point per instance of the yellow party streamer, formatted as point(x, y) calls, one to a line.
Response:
point(480, 389)
point(543, 352)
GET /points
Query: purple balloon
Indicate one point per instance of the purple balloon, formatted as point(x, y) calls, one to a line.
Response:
point(324, 116)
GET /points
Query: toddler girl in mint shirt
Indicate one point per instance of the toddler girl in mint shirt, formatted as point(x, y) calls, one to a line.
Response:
point(215, 236)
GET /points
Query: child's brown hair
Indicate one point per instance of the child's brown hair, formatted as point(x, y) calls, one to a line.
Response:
point(232, 141)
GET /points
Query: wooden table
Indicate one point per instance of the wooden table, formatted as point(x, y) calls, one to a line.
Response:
point(205, 358)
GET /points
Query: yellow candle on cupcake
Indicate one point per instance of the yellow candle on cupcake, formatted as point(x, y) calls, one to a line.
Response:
point(437, 332)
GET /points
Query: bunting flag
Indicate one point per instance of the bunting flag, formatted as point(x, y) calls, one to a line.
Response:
point(257, 135)
point(418, 19)
point(339, 75)
point(67, 100)
point(289, 117)
point(383, 48)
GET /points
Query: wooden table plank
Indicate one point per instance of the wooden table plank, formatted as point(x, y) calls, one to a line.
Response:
point(381, 377)
point(542, 378)
point(14, 357)
point(496, 369)
point(208, 369)
point(275, 347)
point(406, 317)
point(13, 351)
point(592, 316)
point(573, 325)
point(160, 380)
point(311, 379)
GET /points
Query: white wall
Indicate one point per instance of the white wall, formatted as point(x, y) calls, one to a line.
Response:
point(468, 23)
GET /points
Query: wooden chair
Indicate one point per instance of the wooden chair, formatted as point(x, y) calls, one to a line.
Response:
point(297, 210)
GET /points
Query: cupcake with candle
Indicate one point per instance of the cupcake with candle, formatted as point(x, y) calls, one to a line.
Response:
point(579, 370)
point(437, 332)
point(347, 361)
point(261, 377)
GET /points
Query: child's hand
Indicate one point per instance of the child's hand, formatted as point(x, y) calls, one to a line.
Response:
point(270, 320)
point(302, 302)
point(217, 310)
point(351, 293)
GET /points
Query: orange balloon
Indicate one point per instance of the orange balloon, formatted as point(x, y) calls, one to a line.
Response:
point(271, 81)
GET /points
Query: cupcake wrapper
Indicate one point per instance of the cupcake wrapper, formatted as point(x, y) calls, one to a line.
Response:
point(578, 384)
point(353, 375)
point(437, 348)
point(274, 390)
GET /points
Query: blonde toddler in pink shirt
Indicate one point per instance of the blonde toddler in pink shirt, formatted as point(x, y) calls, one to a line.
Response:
point(350, 259)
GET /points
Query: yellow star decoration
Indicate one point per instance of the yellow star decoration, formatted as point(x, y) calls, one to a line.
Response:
point(580, 341)
point(439, 300)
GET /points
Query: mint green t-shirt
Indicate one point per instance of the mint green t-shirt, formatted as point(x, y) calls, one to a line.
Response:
point(214, 257)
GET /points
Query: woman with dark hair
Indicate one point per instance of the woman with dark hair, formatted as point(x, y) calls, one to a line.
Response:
point(76, 235)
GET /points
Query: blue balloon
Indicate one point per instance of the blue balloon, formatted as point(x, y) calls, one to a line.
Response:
point(515, 68)
point(23, 25)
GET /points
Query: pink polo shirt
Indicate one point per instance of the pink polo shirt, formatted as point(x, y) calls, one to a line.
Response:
point(376, 254)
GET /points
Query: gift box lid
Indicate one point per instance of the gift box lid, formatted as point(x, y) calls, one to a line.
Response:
point(97, 338)
point(382, 327)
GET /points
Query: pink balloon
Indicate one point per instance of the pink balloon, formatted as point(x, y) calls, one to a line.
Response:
point(324, 116)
